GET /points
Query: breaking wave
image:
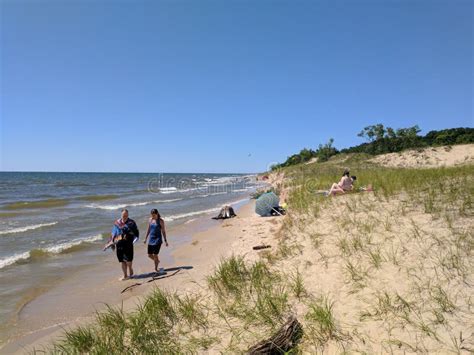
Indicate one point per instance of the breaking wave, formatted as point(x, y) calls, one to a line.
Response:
point(27, 228)
point(123, 205)
point(40, 253)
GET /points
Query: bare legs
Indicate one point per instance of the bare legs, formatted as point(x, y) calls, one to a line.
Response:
point(127, 266)
point(155, 258)
point(335, 189)
point(130, 269)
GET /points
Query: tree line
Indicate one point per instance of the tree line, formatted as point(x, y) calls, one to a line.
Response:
point(381, 140)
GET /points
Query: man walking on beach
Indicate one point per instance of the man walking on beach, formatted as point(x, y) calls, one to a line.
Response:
point(124, 232)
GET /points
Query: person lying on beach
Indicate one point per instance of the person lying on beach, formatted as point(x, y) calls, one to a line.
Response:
point(157, 232)
point(226, 212)
point(344, 185)
point(124, 232)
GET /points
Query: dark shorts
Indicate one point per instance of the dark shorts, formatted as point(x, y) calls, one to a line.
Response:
point(124, 251)
point(154, 249)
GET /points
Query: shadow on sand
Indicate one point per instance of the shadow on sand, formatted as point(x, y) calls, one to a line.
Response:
point(162, 272)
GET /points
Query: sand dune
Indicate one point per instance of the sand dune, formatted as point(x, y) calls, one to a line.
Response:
point(428, 157)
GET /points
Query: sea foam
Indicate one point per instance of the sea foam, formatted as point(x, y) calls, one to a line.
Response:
point(27, 228)
point(123, 205)
point(42, 252)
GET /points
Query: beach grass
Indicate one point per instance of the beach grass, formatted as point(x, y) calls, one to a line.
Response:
point(169, 323)
point(321, 323)
point(252, 294)
point(416, 225)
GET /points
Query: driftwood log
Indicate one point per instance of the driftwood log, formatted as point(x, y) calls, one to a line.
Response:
point(282, 341)
point(163, 276)
point(128, 288)
point(258, 247)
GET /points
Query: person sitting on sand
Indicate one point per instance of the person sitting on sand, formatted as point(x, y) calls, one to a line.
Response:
point(344, 185)
point(124, 232)
point(156, 230)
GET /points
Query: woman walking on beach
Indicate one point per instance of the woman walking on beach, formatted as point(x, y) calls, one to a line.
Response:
point(156, 231)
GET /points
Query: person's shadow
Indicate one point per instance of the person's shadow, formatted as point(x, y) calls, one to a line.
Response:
point(162, 272)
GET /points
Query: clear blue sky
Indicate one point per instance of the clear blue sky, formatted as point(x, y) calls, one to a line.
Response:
point(198, 85)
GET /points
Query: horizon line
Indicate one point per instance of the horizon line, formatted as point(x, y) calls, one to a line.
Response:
point(122, 172)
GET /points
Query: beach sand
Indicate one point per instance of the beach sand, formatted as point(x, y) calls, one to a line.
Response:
point(203, 242)
point(433, 157)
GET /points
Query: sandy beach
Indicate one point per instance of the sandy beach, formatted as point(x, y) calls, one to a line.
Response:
point(202, 243)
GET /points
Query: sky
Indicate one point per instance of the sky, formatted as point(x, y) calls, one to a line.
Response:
point(222, 85)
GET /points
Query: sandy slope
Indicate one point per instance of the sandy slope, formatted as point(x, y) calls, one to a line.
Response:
point(429, 157)
point(400, 278)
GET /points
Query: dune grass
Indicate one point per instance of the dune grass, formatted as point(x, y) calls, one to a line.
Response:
point(421, 214)
point(320, 322)
point(163, 324)
point(250, 296)
point(436, 188)
point(250, 293)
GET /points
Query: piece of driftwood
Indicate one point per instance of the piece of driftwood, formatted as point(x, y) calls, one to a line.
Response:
point(164, 276)
point(258, 247)
point(128, 288)
point(282, 341)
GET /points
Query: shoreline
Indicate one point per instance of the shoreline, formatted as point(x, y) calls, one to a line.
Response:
point(200, 243)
